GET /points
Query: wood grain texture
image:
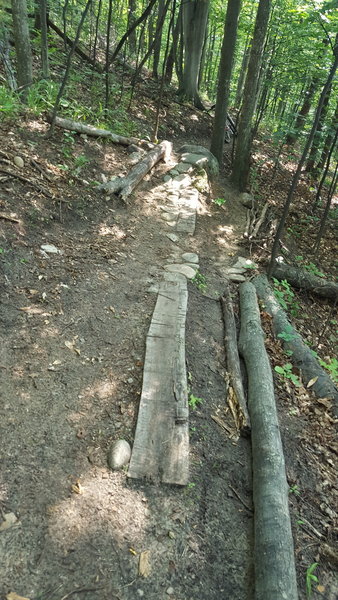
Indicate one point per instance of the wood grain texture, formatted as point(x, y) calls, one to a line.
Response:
point(161, 446)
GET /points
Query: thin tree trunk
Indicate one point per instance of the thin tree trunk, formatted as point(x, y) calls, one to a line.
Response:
point(44, 38)
point(296, 176)
point(328, 141)
point(131, 21)
point(225, 70)
point(317, 137)
point(110, 10)
point(322, 181)
point(330, 195)
point(241, 166)
point(22, 46)
point(158, 40)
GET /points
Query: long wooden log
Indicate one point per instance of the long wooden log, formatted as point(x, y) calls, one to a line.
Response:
point(78, 50)
point(124, 186)
point(275, 574)
point(234, 369)
point(302, 356)
point(71, 125)
point(304, 280)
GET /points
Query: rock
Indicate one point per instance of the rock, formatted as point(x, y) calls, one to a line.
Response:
point(153, 289)
point(236, 277)
point(119, 454)
point(237, 271)
point(169, 216)
point(140, 593)
point(201, 182)
point(18, 162)
point(181, 181)
point(170, 591)
point(211, 166)
point(182, 167)
point(190, 257)
point(50, 249)
point(243, 263)
point(185, 270)
point(172, 237)
point(247, 200)
point(174, 172)
point(133, 148)
point(166, 178)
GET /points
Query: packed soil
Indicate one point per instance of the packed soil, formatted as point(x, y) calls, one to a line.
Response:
point(73, 328)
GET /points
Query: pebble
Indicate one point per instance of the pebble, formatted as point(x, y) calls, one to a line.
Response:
point(18, 162)
point(130, 380)
point(140, 593)
point(242, 262)
point(236, 277)
point(119, 454)
point(50, 249)
point(172, 237)
point(170, 591)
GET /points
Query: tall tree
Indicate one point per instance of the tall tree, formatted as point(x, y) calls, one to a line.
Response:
point(195, 15)
point(22, 46)
point(225, 70)
point(44, 38)
point(241, 166)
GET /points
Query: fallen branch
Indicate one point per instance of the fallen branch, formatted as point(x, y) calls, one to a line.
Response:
point(71, 125)
point(275, 574)
point(124, 186)
point(78, 50)
point(304, 280)
point(26, 180)
point(260, 221)
point(234, 369)
point(9, 218)
point(302, 356)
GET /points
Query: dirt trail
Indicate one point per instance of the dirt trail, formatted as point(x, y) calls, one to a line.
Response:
point(73, 329)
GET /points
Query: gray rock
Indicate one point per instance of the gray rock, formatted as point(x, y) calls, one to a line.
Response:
point(237, 271)
point(119, 454)
point(182, 167)
point(247, 200)
point(172, 237)
point(153, 289)
point(190, 257)
point(169, 216)
point(212, 162)
point(236, 277)
point(174, 172)
point(51, 249)
point(181, 181)
point(243, 263)
point(185, 270)
point(18, 161)
point(166, 178)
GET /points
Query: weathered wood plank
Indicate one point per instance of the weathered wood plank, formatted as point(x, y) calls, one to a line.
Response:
point(161, 446)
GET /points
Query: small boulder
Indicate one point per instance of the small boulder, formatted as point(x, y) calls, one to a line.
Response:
point(119, 455)
point(18, 161)
point(190, 257)
point(247, 200)
point(211, 164)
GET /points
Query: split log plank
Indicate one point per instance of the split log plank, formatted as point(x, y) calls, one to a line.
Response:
point(302, 356)
point(71, 125)
point(275, 574)
point(304, 280)
point(124, 186)
point(234, 369)
point(161, 446)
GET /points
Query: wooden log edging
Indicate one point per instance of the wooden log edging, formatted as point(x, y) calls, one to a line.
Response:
point(124, 186)
point(275, 573)
point(302, 356)
point(234, 369)
point(161, 446)
point(86, 129)
point(304, 280)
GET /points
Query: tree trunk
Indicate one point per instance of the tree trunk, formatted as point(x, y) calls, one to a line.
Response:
point(225, 70)
point(6, 61)
point(304, 280)
point(158, 40)
point(44, 39)
point(275, 573)
point(22, 46)
point(195, 15)
point(242, 73)
point(131, 21)
point(241, 166)
point(328, 141)
point(303, 113)
point(330, 195)
point(318, 134)
point(333, 142)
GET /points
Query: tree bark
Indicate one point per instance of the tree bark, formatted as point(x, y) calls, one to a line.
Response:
point(233, 364)
point(302, 356)
point(124, 186)
point(22, 46)
point(158, 40)
point(44, 38)
point(71, 125)
point(195, 15)
point(241, 166)
point(225, 70)
point(275, 574)
point(304, 280)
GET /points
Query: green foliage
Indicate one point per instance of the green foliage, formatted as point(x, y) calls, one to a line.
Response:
point(9, 103)
point(194, 401)
point(200, 281)
point(310, 578)
point(332, 367)
point(42, 96)
point(219, 201)
point(286, 372)
point(285, 296)
point(287, 335)
point(294, 489)
point(310, 267)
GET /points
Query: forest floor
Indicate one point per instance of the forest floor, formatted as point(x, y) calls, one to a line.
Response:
point(73, 328)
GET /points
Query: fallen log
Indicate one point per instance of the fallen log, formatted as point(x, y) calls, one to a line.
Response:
point(124, 186)
point(260, 221)
point(275, 574)
point(71, 125)
point(78, 50)
point(233, 365)
point(304, 280)
point(302, 356)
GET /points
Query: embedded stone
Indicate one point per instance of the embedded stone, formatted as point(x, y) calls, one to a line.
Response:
point(182, 167)
point(243, 263)
point(185, 270)
point(172, 237)
point(181, 181)
point(211, 163)
point(169, 216)
point(190, 257)
point(236, 277)
point(119, 455)
point(18, 161)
